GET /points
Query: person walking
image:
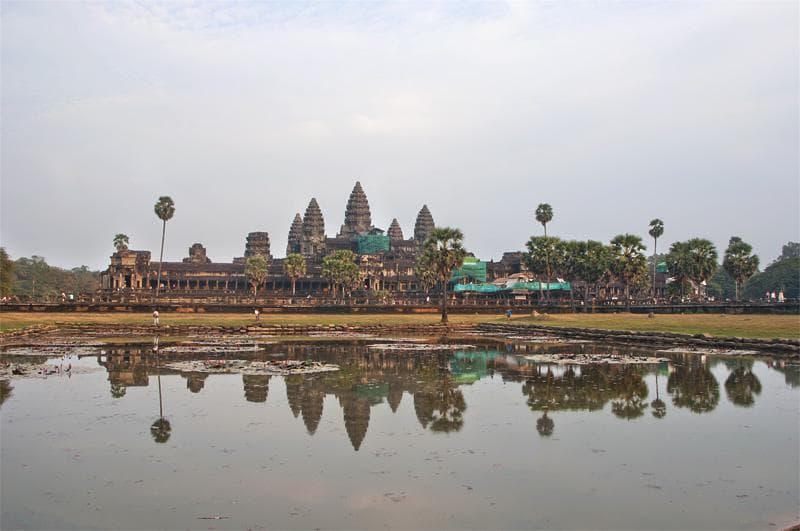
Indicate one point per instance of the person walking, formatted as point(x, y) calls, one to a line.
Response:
point(256, 313)
point(155, 317)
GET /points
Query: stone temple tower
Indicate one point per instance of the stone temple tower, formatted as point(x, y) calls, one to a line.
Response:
point(357, 218)
point(313, 241)
point(295, 235)
point(395, 232)
point(257, 243)
point(424, 225)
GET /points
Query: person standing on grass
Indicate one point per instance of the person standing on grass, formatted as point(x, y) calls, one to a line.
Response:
point(155, 317)
point(256, 313)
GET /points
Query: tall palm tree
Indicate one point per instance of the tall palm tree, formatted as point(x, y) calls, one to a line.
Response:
point(704, 257)
point(295, 267)
point(544, 215)
point(443, 252)
point(739, 263)
point(121, 242)
point(629, 262)
point(165, 209)
point(680, 264)
point(544, 255)
point(656, 230)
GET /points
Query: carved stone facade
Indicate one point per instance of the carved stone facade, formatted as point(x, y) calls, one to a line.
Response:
point(197, 255)
point(389, 268)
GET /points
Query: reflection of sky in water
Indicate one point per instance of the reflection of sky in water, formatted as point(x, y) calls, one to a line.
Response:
point(476, 439)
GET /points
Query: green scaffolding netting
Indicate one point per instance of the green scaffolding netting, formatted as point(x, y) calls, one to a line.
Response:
point(528, 286)
point(373, 244)
point(472, 269)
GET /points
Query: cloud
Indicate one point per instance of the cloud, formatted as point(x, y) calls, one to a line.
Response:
point(613, 113)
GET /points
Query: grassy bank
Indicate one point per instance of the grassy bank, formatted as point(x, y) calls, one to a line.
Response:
point(756, 326)
point(720, 325)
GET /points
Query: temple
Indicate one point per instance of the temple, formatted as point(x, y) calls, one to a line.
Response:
point(386, 259)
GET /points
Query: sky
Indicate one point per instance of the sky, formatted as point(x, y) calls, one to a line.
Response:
point(614, 113)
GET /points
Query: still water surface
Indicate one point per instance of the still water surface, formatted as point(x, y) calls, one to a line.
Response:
point(476, 438)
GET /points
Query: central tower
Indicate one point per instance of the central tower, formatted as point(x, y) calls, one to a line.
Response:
point(357, 218)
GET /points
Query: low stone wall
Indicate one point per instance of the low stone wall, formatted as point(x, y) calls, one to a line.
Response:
point(779, 346)
point(322, 307)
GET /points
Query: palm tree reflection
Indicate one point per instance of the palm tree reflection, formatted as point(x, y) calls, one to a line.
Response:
point(658, 405)
point(161, 428)
point(741, 384)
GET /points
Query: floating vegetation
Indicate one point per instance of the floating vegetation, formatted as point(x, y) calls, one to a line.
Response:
point(592, 359)
point(710, 351)
point(418, 346)
point(277, 367)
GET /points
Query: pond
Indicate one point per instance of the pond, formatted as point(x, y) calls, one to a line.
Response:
point(472, 437)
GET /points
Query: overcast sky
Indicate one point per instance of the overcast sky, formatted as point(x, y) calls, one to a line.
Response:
point(614, 113)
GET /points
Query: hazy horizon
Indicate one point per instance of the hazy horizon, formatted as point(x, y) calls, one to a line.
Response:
point(615, 114)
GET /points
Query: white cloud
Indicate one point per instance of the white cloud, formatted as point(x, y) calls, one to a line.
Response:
point(242, 111)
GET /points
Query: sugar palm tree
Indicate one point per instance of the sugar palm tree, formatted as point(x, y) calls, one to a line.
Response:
point(629, 262)
point(739, 263)
point(295, 267)
point(656, 230)
point(121, 242)
point(165, 209)
point(704, 256)
point(543, 257)
point(256, 269)
point(544, 215)
point(443, 252)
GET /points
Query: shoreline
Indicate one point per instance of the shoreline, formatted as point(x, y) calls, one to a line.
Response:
point(137, 333)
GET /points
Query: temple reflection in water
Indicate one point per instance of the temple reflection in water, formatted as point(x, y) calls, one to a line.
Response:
point(436, 382)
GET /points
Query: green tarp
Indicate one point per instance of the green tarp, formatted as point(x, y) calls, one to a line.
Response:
point(373, 244)
point(472, 269)
point(528, 286)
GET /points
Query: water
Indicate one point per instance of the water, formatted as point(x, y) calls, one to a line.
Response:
point(476, 438)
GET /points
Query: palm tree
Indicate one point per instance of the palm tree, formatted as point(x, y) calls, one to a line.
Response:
point(256, 269)
point(295, 267)
point(739, 263)
point(704, 256)
point(544, 215)
point(165, 209)
point(629, 262)
point(443, 252)
point(596, 265)
point(121, 242)
point(656, 230)
point(680, 263)
point(545, 254)
point(340, 269)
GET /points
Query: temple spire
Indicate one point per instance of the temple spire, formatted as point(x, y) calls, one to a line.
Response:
point(395, 232)
point(295, 235)
point(357, 217)
point(424, 225)
point(313, 229)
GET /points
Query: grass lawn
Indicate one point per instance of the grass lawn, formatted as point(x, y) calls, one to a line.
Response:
point(758, 326)
point(15, 320)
